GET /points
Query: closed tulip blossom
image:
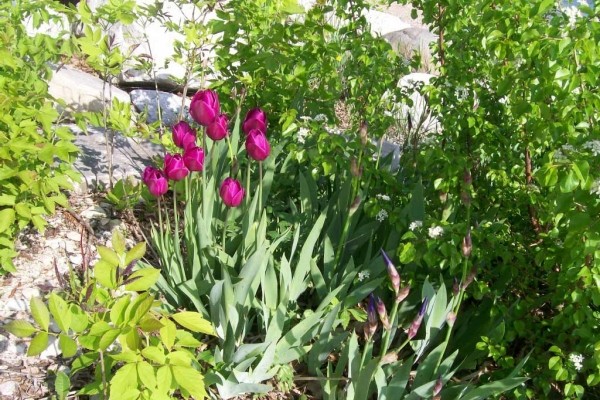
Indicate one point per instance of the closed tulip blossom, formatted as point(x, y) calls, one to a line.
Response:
point(155, 181)
point(205, 107)
point(231, 192)
point(383, 317)
point(392, 272)
point(184, 135)
point(193, 158)
point(218, 129)
point(255, 119)
point(257, 145)
point(416, 324)
point(175, 168)
point(371, 324)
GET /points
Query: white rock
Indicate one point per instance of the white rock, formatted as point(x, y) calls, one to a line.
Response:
point(16, 304)
point(8, 388)
point(75, 236)
point(82, 91)
point(52, 350)
point(76, 259)
point(383, 23)
point(30, 292)
point(94, 212)
point(170, 105)
point(420, 115)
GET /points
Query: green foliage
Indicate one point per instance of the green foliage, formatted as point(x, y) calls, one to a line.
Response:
point(137, 350)
point(36, 155)
point(517, 99)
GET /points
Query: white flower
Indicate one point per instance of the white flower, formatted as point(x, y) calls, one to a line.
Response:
point(362, 275)
point(435, 232)
point(559, 156)
point(305, 118)
point(320, 118)
point(415, 225)
point(567, 147)
point(595, 189)
point(383, 197)
point(576, 360)
point(593, 146)
point(302, 133)
point(381, 215)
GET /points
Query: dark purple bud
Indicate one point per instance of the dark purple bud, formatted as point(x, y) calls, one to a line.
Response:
point(424, 306)
point(371, 324)
point(382, 312)
point(392, 272)
point(416, 324)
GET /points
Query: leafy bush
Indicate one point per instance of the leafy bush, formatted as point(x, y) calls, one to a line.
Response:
point(36, 155)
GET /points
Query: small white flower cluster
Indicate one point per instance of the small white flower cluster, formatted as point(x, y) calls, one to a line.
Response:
point(362, 275)
point(381, 216)
point(334, 131)
point(305, 118)
point(593, 146)
point(415, 225)
point(302, 134)
point(559, 155)
point(383, 197)
point(435, 232)
point(595, 188)
point(320, 118)
point(576, 360)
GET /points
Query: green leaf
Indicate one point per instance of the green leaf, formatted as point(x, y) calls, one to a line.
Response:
point(191, 380)
point(60, 312)
point(164, 379)
point(40, 312)
point(118, 241)
point(142, 279)
point(167, 333)
point(153, 353)
point(146, 374)
point(109, 256)
point(408, 253)
point(136, 253)
point(38, 344)
point(67, 345)
point(108, 338)
point(493, 388)
point(194, 322)
point(106, 274)
point(20, 328)
point(62, 384)
point(7, 218)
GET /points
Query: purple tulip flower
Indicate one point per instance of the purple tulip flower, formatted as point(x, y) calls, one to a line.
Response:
point(231, 192)
point(255, 119)
point(193, 158)
point(175, 168)
point(218, 129)
point(184, 135)
point(257, 145)
point(155, 180)
point(205, 107)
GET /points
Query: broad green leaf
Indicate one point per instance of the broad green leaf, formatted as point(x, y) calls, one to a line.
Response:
point(122, 381)
point(153, 353)
point(146, 374)
point(60, 312)
point(109, 256)
point(79, 319)
point(136, 253)
point(164, 379)
point(106, 274)
point(150, 324)
point(40, 312)
point(194, 322)
point(62, 385)
point(491, 389)
point(7, 218)
point(117, 312)
point(118, 241)
point(38, 344)
point(142, 279)
point(167, 333)
point(20, 328)
point(108, 338)
point(67, 345)
point(191, 380)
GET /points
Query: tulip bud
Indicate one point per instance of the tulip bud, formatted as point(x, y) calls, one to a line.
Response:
point(450, 318)
point(371, 324)
point(467, 178)
point(257, 145)
point(402, 294)
point(175, 168)
point(155, 180)
point(455, 287)
point(205, 107)
point(393, 274)
point(231, 192)
point(255, 119)
point(184, 135)
point(437, 388)
point(218, 129)
point(363, 133)
point(355, 170)
point(467, 244)
point(382, 312)
point(469, 279)
point(416, 324)
point(193, 158)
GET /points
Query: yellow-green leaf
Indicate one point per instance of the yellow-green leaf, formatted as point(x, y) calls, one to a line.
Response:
point(146, 374)
point(136, 253)
point(142, 279)
point(40, 312)
point(38, 344)
point(7, 217)
point(106, 274)
point(109, 255)
point(20, 328)
point(60, 311)
point(191, 380)
point(167, 333)
point(118, 241)
point(194, 322)
point(67, 345)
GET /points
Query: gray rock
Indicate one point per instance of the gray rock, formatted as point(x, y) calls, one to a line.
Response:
point(130, 157)
point(94, 212)
point(383, 23)
point(75, 236)
point(82, 91)
point(410, 40)
point(170, 105)
point(8, 388)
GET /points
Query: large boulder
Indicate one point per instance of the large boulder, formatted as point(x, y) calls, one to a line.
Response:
point(169, 103)
point(409, 40)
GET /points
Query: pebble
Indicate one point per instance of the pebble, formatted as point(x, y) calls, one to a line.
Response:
point(30, 292)
point(72, 235)
point(76, 259)
point(8, 388)
point(94, 212)
point(16, 305)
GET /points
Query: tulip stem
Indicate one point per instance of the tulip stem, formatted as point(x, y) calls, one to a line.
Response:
point(248, 170)
point(225, 229)
point(260, 187)
point(230, 149)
